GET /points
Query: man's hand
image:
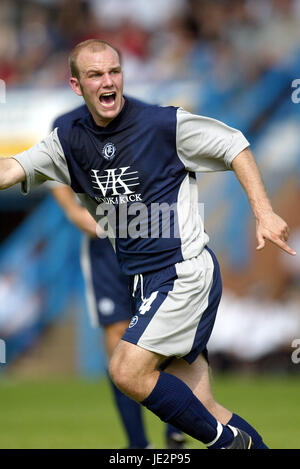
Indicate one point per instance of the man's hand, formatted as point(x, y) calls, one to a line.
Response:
point(81, 218)
point(77, 214)
point(268, 225)
point(273, 228)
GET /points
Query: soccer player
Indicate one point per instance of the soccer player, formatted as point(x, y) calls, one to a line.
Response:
point(107, 294)
point(128, 157)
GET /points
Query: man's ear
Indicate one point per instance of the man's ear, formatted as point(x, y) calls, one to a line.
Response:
point(75, 85)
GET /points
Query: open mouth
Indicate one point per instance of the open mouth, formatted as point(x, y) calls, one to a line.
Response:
point(108, 99)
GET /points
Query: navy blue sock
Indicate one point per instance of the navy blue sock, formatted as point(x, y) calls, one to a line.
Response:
point(239, 422)
point(174, 402)
point(131, 416)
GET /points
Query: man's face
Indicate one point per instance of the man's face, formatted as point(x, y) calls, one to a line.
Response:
point(100, 83)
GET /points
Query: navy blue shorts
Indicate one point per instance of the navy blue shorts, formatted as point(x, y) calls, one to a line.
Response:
point(107, 290)
point(174, 309)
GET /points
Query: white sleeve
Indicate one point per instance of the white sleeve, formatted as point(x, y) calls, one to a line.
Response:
point(44, 161)
point(205, 144)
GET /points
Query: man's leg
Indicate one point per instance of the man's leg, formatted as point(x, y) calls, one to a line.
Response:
point(191, 290)
point(135, 371)
point(196, 376)
point(104, 284)
point(129, 410)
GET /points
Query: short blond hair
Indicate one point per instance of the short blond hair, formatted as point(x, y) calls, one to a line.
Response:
point(94, 45)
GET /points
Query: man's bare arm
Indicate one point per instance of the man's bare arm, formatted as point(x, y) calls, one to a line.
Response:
point(11, 173)
point(268, 224)
point(77, 214)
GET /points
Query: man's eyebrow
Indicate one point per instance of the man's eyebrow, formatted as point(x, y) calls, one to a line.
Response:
point(97, 70)
point(93, 70)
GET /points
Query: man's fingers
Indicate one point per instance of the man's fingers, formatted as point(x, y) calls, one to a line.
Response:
point(274, 229)
point(261, 242)
point(280, 243)
point(285, 234)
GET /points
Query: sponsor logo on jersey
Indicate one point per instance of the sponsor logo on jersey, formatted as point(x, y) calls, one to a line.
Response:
point(109, 151)
point(116, 185)
point(122, 211)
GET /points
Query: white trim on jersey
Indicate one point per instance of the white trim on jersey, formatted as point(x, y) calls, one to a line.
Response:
point(191, 228)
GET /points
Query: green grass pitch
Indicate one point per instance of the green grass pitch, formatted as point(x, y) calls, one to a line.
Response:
point(76, 413)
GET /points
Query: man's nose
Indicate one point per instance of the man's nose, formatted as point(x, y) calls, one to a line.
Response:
point(107, 80)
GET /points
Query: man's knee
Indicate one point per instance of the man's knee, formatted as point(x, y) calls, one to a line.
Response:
point(133, 370)
point(119, 373)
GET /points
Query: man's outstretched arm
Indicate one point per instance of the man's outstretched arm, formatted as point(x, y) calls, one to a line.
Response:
point(11, 173)
point(268, 224)
point(44, 161)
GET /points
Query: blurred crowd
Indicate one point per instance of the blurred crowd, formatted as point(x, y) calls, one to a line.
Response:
point(227, 41)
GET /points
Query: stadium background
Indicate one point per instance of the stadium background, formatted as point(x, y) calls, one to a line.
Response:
point(237, 61)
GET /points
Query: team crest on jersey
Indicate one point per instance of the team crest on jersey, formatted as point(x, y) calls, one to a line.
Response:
point(109, 151)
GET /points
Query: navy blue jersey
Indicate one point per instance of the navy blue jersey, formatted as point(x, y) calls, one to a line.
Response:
point(138, 137)
point(139, 172)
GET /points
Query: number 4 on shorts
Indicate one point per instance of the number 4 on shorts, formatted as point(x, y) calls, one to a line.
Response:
point(146, 305)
